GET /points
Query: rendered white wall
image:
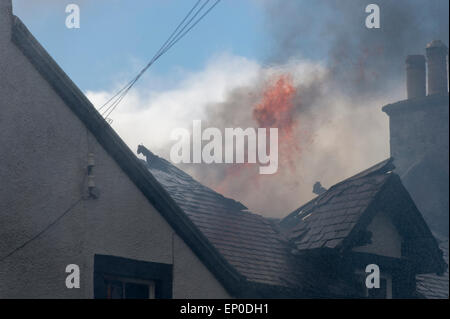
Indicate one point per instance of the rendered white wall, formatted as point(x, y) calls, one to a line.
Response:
point(43, 154)
point(386, 241)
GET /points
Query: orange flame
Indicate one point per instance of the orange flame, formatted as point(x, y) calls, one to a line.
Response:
point(276, 110)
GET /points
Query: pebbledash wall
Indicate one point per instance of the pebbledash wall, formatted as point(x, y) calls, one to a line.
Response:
point(43, 157)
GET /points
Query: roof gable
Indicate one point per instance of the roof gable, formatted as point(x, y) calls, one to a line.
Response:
point(338, 219)
point(419, 244)
point(127, 161)
point(328, 219)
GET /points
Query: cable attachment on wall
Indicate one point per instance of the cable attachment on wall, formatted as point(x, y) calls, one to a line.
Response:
point(92, 189)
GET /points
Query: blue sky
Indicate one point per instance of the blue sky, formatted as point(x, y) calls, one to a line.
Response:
point(118, 37)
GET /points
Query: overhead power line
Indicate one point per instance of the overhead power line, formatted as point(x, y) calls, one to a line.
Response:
point(42, 231)
point(187, 24)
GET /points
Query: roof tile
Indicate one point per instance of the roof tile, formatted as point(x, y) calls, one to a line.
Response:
point(333, 214)
point(249, 242)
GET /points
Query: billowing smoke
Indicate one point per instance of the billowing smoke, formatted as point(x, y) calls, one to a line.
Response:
point(324, 135)
point(323, 85)
point(337, 124)
point(362, 60)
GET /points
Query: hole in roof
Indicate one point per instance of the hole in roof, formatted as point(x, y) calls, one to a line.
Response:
point(300, 213)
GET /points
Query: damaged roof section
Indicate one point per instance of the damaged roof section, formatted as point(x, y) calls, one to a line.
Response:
point(327, 220)
point(338, 219)
point(265, 252)
point(249, 242)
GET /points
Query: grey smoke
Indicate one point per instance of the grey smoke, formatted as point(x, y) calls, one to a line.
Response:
point(362, 60)
point(341, 129)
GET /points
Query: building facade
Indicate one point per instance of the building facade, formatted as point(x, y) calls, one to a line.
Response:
point(44, 150)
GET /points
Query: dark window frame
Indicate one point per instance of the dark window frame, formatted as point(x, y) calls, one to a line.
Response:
point(112, 266)
point(128, 283)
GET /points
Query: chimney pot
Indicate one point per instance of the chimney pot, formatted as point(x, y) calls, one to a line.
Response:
point(415, 76)
point(437, 67)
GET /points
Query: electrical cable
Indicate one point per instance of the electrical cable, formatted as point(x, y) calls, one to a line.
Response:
point(42, 231)
point(176, 36)
point(160, 49)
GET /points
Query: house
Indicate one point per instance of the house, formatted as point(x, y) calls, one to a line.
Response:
point(126, 234)
point(419, 142)
point(366, 219)
point(72, 193)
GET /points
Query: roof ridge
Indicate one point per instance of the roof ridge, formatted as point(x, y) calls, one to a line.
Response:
point(171, 166)
point(360, 175)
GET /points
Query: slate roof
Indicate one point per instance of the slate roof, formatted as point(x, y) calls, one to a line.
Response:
point(329, 218)
point(261, 249)
point(433, 286)
point(249, 242)
point(338, 218)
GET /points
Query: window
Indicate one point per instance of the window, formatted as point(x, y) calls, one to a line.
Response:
point(125, 288)
point(122, 278)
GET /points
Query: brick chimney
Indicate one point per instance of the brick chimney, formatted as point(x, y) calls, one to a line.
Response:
point(415, 76)
point(437, 67)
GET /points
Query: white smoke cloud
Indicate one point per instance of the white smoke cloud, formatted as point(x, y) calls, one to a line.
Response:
point(338, 135)
point(148, 116)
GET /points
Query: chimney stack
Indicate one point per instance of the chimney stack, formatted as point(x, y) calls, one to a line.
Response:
point(437, 67)
point(415, 76)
